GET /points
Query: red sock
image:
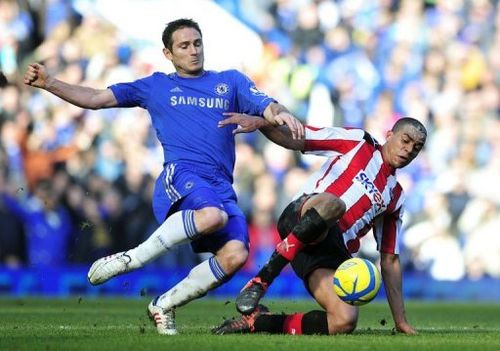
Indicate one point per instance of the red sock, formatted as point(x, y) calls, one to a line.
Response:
point(293, 324)
point(289, 247)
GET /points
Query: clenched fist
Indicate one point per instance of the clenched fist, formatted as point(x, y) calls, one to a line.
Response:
point(36, 76)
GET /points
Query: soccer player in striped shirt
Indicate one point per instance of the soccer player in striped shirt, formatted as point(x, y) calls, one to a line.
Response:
point(354, 191)
point(193, 200)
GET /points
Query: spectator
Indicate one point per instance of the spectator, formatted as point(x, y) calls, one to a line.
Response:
point(46, 222)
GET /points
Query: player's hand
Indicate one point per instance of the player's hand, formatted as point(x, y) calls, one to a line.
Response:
point(295, 126)
point(246, 123)
point(405, 328)
point(36, 76)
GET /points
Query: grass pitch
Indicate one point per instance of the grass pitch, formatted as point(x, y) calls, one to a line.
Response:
point(118, 324)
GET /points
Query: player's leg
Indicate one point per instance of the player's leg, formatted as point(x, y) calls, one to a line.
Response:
point(230, 246)
point(183, 226)
point(180, 227)
point(197, 212)
point(206, 276)
point(336, 318)
point(305, 221)
point(340, 317)
point(315, 265)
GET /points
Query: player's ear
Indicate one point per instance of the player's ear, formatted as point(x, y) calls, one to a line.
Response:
point(389, 134)
point(167, 53)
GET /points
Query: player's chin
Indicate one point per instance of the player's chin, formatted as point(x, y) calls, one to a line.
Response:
point(196, 65)
point(401, 164)
point(195, 70)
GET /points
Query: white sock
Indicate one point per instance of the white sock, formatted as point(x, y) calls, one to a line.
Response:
point(202, 278)
point(177, 229)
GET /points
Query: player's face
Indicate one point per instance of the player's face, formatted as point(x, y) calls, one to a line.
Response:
point(403, 146)
point(187, 52)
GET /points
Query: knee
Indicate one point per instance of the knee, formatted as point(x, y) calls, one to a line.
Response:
point(330, 207)
point(210, 219)
point(236, 260)
point(341, 324)
point(232, 259)
point(343, 328)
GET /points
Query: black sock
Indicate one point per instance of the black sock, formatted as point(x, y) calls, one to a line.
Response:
point(315, 322)
point(272, 268)
point(270, 323)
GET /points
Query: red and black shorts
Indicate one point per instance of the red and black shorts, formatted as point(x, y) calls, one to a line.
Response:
point(329, 253)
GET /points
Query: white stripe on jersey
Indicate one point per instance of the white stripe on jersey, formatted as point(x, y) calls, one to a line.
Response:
point(378, 231)
point(172, 193)
point(401, 199)
point(357, 190)
point(333, 133)
point(324, 177)
point(392, 181)
point(371, 214)
point(353, 231)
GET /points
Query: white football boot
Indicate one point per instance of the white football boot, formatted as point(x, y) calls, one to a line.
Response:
point(163, 319)
point(108, 267)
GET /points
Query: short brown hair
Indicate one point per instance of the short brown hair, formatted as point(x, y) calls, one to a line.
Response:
point(175, 25)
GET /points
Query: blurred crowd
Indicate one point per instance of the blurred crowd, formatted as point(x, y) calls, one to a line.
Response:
point(76, 184)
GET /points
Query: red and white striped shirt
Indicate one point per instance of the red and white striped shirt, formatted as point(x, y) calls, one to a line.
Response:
point(356, 173)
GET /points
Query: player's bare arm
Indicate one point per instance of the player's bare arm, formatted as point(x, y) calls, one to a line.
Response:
point(280, 135)
point(85, 97)
point(278, 115)
point(392, 276)
point(245, 123)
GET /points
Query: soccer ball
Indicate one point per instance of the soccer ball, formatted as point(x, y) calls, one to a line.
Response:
point(357, 281)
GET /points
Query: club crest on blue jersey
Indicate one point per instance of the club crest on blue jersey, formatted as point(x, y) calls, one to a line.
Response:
point(222, 89)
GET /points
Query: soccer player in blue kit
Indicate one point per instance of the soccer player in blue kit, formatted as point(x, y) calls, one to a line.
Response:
point(193, 200)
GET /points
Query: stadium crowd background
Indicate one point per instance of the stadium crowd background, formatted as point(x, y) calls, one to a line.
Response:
point(76, 184)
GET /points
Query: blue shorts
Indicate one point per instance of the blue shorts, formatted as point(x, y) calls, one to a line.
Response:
point(180, 187)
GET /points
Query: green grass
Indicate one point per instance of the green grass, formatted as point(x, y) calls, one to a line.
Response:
point(119, 324)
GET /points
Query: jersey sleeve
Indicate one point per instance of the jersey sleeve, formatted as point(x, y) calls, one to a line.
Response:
point(13, 205)
point(250, 100)
point(331, 141)
point(132, 94)
point(387, 228)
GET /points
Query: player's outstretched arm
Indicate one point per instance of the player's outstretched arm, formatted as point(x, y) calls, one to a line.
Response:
point(36, 76)
point(278, 115)
point(280, 135)
point(392, 276)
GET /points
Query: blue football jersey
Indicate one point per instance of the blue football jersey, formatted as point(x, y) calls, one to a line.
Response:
point(185, 113)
